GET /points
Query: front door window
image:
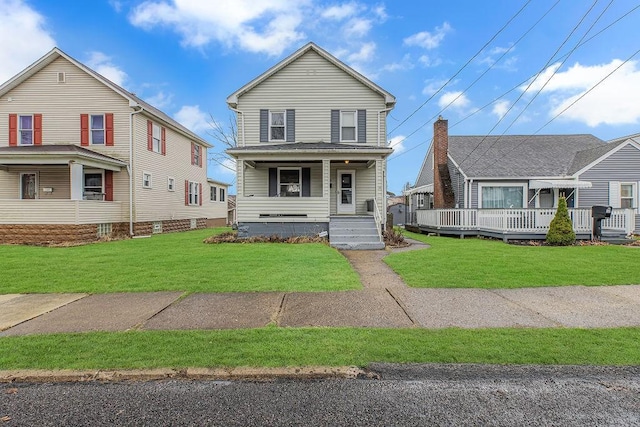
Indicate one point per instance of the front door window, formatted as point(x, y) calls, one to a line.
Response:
point(28, 185)
point(346, 192)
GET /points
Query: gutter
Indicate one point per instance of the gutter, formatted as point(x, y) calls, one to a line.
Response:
point(129, 166)
point(380, 112)
point(242, 115)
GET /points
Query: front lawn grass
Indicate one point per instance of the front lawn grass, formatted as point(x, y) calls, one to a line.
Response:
point(286, 347)
point(483, 263)
point(174, 262)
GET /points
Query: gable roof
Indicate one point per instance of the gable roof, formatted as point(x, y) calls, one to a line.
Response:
point(134, 101)
point(232, 99)
point(518, 156)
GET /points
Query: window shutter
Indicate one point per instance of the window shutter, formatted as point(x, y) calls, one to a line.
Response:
point(163, 142)
point(37, 129)
point(108, 129)
point(108, 186)
point(362, 125)
point(614, 194)
point(84, 130)
point(335, 125)
point(291, 125)
point(186, 192)
point(13, 130)
point(200, 197)
point(149, 135)
point(201, 156)
point(193, 154)
point(264, 125)
point(306, 182)
point(273, 182)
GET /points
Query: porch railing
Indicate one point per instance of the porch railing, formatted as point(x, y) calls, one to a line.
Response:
point(278, 209)
point(519, 220)
point(42, 211)
point(377, 216)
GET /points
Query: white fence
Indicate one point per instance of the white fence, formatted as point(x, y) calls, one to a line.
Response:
point(519, 220)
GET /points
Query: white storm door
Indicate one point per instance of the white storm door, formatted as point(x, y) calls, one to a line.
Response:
point(346, 192)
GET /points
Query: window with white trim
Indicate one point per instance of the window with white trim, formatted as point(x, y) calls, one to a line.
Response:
point(348, 128)
point(213, 193)
point(146, 180)
point(93, 185)
point(628, 195)
point(290, 182)
point(277, 125)
point(222, 194)
point(25, 129)
point(197, 152)
point(96, 124)
point(500, 196)
point(171, 183)
point(420, 200)
point(194, 193)
point(156, 138)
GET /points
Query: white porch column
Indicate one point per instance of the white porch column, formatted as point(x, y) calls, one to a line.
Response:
point(326, 184)
point(75, 173)
point(239, 178)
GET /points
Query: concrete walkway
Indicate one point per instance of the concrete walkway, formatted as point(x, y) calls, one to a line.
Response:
point(385, 301)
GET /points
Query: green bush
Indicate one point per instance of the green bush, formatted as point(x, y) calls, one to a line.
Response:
point(561, 229)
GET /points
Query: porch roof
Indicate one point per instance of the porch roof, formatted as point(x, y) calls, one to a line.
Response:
point(558, 183)
point(313, 148)
point(57, 155)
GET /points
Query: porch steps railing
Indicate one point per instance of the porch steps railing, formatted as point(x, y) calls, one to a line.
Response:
point(354, 232)
point(535, 221)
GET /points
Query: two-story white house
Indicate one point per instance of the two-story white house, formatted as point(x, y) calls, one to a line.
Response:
point(312, 150)
point(82, 158)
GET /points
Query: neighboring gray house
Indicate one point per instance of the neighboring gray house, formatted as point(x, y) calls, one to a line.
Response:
point(312, 150)
point(510, 185)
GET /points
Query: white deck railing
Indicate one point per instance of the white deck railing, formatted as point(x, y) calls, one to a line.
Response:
point(519, 220)
point(279, 209)
point(42, 211)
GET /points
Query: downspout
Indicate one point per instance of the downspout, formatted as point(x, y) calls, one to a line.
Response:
point(380, 112)
point(129, 169)
point(242, 121)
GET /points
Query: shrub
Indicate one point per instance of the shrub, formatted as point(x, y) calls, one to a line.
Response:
point(561, 229)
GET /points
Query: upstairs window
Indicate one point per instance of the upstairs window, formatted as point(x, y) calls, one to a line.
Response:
point(25, 130)
point(196, 154)
point(97, 129)
point(156, 138)
point(222, 194)
point(156, 144)
point(348, 120)
point(276, 125)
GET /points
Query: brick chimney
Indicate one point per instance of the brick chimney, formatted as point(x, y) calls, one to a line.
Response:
point(440, 165)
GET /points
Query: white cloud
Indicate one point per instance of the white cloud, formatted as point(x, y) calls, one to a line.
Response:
point(432, 86)
point(427, 61)
point(612, 102)
point(500, 108)
point(25, 36)
point(267, 26)
point(101, 63)
point(397, 144)
point(457, 100)
point(160, 99)
point(428, 40)
point(405, 64)
point(340, 12)
point(501, 54)
point(365, 54)
point(193, 118)
point(358, 27)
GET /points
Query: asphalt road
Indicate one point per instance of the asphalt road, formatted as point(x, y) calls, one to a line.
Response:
point(404, 395)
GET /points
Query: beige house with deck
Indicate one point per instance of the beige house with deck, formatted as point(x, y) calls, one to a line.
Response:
point(312, 150)
point(82, 158)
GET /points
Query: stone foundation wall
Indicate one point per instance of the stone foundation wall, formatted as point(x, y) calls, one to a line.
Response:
point(216, 222)
point(55, 234)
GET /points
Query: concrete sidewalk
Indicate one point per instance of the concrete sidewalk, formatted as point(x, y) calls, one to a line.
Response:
point(385, 301)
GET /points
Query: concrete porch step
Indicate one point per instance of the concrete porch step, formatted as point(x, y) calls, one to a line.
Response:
point(354, 233)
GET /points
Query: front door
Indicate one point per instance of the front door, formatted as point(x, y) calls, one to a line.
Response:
point(346, 192)
point(28, 185)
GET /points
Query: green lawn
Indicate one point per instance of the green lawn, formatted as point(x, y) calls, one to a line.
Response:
point(319, 347)
point(174, 261)
point(484, 263)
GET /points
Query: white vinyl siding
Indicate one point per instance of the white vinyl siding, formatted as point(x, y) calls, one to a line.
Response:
point(312, 87)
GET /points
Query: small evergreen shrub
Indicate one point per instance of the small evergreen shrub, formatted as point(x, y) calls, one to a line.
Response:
point(561, 228)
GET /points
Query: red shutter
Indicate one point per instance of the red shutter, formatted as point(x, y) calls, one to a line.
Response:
point(84, 129)
point(200, 197)
point(201, 156)
point(186, 192)
point(193, 154)
point(164, 142)
point(108, 186)
point(108, 128)
point(13, 130)
point(149, 135)
point(37, 129)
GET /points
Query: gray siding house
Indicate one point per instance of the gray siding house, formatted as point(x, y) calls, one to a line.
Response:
point(509, 186)
point(312, 150)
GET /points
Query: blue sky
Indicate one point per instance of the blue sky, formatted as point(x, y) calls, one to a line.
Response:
point(468, 60)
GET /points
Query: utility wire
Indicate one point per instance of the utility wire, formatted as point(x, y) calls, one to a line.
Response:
point(463, 67)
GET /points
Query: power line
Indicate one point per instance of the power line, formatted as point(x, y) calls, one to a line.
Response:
point(463, 67)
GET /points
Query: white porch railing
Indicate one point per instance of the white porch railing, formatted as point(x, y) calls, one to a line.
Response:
point(279, 209)
point(377, 216)
point(41, 211)
point(519, 220)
